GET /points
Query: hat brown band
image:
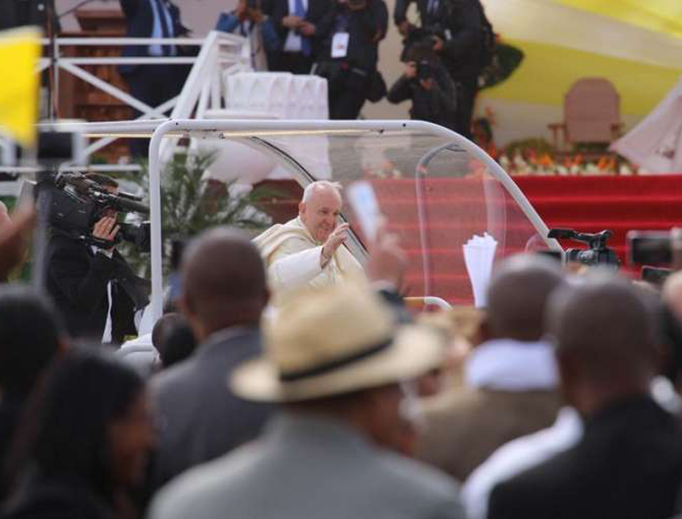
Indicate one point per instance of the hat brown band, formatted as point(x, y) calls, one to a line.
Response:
point(293, 376)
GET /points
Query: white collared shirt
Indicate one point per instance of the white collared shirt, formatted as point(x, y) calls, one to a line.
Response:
point(106, 336)
point(157, 30)
point(293, 42)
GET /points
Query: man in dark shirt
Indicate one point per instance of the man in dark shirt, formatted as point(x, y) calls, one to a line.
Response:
point(458, 30)
point(629, 462)
point(350, 34)
point(428, 85)
point(92, 286)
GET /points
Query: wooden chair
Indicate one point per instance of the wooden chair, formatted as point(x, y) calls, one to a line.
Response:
point(591, 114)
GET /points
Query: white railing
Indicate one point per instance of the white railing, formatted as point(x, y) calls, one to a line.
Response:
point(202, 91)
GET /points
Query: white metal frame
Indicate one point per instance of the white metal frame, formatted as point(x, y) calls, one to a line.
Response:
point(219, 51)
point(244, 129)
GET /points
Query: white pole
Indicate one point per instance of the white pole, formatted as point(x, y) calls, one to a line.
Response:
point(155, 216)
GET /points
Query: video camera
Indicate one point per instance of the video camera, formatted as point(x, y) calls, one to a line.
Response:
point(650, 247)
point(597, 253)
point(74, 203)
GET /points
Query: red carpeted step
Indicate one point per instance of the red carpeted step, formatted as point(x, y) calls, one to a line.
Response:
point(632, 208)
point(592, 204)
point(598, 186)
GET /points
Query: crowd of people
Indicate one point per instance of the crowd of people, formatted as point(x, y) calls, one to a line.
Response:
point(444, 51)
point(288, 384)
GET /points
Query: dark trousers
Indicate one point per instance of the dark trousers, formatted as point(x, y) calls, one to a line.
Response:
point(294, 62)
point(466, 97)
point(346, 103)
point(153, 85)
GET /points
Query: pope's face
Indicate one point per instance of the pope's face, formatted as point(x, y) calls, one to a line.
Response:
point(321, 212)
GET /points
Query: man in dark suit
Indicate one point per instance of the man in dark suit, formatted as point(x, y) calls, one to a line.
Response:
point(349, 52)
point(93, 287)
point(629, 462)
point(457, 29)
point(296, 22)
point(224, 294)
point(152, 84)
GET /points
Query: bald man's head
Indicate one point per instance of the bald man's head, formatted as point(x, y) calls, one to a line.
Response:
point(320, 208)
point(224, 281)
point(605, 335)
point(518, 294)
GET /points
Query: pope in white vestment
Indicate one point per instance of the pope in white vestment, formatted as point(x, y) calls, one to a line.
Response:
point(309, 250)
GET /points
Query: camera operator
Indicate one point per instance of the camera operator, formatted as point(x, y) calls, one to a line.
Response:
point(350, 34)
point(92, 286)
point(458, 29)
point(428, 85)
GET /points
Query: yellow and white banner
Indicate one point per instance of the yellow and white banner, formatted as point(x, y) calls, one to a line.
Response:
point(635, 44)
point(19, 53)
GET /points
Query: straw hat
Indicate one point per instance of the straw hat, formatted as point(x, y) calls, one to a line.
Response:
point(335, 341)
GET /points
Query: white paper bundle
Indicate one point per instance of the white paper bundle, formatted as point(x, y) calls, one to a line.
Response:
point(479, 253)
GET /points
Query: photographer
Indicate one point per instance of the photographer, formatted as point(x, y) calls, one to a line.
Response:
point(350, 35)
point(428, 85)
point(461, 36)
point(92, 285)
point(248, 20)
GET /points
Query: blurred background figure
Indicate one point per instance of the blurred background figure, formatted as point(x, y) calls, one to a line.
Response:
point(349, 34)
point(462, 37)
point(427, 84)
point(510, 379)
point(84, 444)
point(628, 463)
point(31, 336)
point(249, 20)
point(173, 339)
point(152, 84)
point(297, 25)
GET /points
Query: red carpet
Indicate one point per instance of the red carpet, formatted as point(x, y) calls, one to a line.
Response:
point(592, 204)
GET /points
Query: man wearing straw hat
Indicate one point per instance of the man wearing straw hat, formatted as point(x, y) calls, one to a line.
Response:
point(340, 369)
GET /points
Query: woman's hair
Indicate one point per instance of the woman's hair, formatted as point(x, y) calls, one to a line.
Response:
point(65, 430)
point(30, 335)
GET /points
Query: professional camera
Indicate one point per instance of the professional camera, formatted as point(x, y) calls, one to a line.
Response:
point(74, 203)
point(649, 247)
point(424, 71)
point(418, 45)
point(597, 253)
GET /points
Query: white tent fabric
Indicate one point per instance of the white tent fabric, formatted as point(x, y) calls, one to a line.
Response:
point(655, 144)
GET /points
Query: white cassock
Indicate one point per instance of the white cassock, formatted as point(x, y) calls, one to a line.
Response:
point(292, 258)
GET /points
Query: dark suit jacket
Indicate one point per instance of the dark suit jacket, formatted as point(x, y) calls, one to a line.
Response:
point(316, 10)
point(627, 466)
point(363, 27)
point(140, 23)
point(200, 419)
point(77, 281)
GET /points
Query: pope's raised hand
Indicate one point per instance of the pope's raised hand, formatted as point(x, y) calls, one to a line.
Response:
point(336, 238)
